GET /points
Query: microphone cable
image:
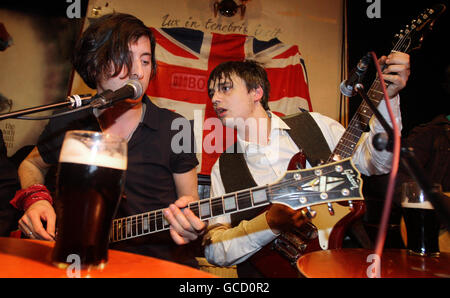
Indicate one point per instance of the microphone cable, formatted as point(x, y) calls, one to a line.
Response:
point(381, 237)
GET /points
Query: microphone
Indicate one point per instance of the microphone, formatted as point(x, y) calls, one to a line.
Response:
point(132, 89)
point(347, 86)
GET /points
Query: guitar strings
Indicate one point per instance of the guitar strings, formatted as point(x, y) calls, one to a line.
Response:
point(141, 226)
point(133, 221)
point(157, 214)
point(241, 197)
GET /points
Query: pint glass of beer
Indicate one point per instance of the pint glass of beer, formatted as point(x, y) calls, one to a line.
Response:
point(90, 181)
point(422, 224)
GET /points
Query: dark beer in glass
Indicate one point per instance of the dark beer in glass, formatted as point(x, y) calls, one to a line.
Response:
point(90, 181)
point(422, 224)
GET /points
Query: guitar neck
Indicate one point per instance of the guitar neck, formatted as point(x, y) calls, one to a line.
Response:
point(360, 121)
point(359, 124)
point(154, 221)
point(333, 182)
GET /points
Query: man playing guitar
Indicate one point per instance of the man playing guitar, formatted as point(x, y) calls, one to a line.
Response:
point(239, 92)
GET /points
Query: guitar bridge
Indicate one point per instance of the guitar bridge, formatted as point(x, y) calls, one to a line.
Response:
point(293, 244)
point(287, 250)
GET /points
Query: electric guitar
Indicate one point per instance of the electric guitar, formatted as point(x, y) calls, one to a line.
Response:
point(334, 182)
point(326, 230)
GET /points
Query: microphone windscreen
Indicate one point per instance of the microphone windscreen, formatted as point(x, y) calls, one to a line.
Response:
point(138, 90)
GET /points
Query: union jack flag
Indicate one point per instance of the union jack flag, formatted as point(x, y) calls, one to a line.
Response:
point(185, 57)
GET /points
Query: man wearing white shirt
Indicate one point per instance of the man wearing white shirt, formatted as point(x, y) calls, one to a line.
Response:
point(239, 93)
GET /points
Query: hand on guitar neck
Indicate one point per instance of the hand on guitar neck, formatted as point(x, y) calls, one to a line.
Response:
point(185, 226)
point(281, 218)
point(396, 71)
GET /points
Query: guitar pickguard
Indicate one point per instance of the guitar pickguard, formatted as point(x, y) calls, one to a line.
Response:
point(325, 222)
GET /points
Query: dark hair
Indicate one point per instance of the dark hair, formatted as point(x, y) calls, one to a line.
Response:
point(251, 72)
point(105, 45)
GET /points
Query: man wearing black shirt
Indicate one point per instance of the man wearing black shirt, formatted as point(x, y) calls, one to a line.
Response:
point(113, 50)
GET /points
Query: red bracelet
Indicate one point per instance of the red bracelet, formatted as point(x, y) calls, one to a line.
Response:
point(24, 198)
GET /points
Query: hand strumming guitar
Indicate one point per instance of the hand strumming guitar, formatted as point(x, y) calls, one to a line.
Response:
point(281, 218)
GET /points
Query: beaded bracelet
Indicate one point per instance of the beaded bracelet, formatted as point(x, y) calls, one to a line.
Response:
point(24, 198)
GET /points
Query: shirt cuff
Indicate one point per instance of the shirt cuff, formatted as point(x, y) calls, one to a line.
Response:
point(382, 108)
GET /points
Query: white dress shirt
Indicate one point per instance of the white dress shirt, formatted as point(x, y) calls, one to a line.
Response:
point(226, 246)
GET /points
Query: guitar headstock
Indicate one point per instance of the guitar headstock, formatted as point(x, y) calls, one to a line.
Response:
point(411, 36)
point(333, 182)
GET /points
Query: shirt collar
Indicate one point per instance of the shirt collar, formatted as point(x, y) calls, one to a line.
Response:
point(276, 125)
point(151, 117)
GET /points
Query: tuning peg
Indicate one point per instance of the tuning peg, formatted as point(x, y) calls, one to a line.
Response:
point(310, 213)
point(408, 28)
point(330, 209)
point(350, 205)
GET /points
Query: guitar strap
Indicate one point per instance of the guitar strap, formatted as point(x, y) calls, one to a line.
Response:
point(307, 135)
point(236, 175)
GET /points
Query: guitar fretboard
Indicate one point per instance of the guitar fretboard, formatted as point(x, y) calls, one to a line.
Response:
point(334, 182)
point(154, 221)
point(358, 125)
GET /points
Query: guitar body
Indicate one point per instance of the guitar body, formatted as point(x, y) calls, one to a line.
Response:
point(271, 262)
point(325, 231)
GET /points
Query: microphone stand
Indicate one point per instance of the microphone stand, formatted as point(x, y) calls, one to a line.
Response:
point(43, 108)
point(132, 89)
point(440, 202)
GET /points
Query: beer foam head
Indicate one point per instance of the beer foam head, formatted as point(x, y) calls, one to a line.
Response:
point(74, 151)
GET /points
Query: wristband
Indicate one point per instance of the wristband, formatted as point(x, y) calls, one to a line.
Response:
point(24, 198)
